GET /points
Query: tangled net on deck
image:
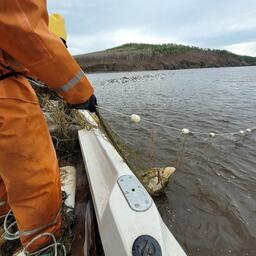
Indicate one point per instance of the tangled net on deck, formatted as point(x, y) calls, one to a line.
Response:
point(63, 121)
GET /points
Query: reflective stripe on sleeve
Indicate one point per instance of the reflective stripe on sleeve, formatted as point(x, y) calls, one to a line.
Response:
point(2, 203)
point(70, 84)
point(36, 230)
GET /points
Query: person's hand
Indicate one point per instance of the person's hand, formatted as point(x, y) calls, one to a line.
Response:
point(88, 105)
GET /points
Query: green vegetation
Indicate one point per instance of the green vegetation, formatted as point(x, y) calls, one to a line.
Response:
point(155, 48)
point(164, 48)
point(176, 49)
point(248, 59)
point(134, 57)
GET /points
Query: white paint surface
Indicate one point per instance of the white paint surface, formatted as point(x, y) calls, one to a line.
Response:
point(119, 225)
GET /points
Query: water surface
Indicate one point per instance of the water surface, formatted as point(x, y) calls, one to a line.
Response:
point(210, 202)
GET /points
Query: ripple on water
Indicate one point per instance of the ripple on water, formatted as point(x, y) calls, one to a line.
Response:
point(210, 203)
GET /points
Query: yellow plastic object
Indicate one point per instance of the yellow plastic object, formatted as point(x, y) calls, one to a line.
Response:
point(57, 25)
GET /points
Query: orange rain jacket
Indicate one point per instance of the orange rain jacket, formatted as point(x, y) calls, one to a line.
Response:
point(29, 173)
point(27, 44)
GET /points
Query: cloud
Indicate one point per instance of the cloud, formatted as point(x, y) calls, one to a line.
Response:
point(248, 49)
point(99, 24)
point(111, 39)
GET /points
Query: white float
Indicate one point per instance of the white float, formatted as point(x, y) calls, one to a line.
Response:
point(185, 131)
point(135, 118)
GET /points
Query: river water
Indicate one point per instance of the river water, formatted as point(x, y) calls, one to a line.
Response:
point(210, 202)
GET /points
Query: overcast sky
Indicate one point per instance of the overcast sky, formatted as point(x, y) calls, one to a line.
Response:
point(99, 24)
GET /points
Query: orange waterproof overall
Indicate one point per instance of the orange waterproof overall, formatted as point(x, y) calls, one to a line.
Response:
point(30, 181)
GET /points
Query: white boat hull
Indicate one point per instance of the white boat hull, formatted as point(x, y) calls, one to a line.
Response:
point(120, 222)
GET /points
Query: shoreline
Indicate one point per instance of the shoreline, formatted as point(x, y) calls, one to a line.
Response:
point(156, 70)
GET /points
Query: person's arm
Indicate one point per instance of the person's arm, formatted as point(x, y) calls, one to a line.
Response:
point(25, 36)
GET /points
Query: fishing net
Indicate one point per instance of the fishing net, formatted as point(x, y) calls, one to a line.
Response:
point(155, 145)
point(212, 193)
point(211, 169)
point(64, 122)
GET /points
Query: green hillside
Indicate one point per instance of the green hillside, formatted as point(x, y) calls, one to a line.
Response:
point(135, 56)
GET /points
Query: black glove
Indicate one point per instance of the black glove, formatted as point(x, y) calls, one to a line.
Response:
point(88, 105)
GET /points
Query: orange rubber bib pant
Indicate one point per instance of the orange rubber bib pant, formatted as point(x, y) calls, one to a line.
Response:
point(30, 182)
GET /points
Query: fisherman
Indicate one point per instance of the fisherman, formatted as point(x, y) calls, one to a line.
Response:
point(29, 171)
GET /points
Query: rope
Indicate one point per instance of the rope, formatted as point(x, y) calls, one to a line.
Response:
point(3, 216)
point(183, 130)
point(54, 245)
point(8, 235)
point(143, 120)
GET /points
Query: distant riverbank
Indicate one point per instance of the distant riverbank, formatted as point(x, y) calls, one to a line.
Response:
point(139, 57)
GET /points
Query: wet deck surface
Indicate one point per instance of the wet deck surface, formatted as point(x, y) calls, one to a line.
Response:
point(85, 229)
point(82, 198)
